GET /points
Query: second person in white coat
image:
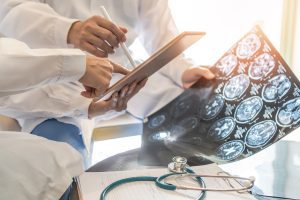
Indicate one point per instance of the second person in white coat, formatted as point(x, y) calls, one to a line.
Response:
point(54, 23)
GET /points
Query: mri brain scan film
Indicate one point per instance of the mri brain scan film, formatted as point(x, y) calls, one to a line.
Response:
point(248, 46)
point(253, 102)
point(289, 113)
point(227, 65)
point(212, 108)
point(260, 134)
point(221, 129)
point(262, 66)
point(236, 87)
point(248, 109)
point(276, 88)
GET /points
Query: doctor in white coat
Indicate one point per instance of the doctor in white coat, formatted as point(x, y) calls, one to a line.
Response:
point(33, 167)
point(56, 23)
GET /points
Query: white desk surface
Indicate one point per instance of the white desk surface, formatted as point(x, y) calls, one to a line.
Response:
point(124, 119)
point(92, 183)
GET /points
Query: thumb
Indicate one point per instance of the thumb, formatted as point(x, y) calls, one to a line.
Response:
point(119, 69)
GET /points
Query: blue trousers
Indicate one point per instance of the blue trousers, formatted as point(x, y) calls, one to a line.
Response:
point(53, 129)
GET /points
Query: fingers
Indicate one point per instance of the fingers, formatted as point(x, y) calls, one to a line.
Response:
point(122, 101)
point(204, 72)
point(100, 44)
point(123, 29)
point(93, 50)
point(111, 27)
point(118, 100)
point(106, 35)
point(90, 92)
point(192, 75)
point(119, 69)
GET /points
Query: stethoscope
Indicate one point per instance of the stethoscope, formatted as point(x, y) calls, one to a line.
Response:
point(179, 168)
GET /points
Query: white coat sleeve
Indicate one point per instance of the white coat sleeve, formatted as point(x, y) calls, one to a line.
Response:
point(33, 167)
point(50, 101)
point(23, 68)
point(156, 29)
point(28, 19)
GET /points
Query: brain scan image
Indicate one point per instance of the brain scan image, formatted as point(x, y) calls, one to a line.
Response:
point(181, 106)
point(248, 109)
point(184, 126)
point(276, 88)
point(213, 107)
point(230, 150)
point(157, 121)
point(221, 129)
point(227, 65)
point(261, 66)
point(289, 113)
point(236, 87)
point(253, 102)
point(248, 46)
point(260, 134)
point(159, 136)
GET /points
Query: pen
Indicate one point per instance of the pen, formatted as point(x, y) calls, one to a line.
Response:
point(123, 46)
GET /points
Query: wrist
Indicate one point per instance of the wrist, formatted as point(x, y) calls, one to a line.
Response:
point(73, 33)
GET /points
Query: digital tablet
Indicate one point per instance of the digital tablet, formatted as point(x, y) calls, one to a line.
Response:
point(156, 61)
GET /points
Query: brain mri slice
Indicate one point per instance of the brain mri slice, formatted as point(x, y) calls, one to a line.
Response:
point(212, 108)
point(236, 87)
point(226, 65)
point(260, 134)
point(230, 150)
point(248, 46)
point(184, 126)
point(248, 109)
point(289, 113)
point(276, 88)
point(181, 106)
point(159, 136)
point(221, 129)
point(157, 121)
point(262, 66)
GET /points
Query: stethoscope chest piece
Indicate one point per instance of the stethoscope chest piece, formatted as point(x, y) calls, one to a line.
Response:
point(178, 165)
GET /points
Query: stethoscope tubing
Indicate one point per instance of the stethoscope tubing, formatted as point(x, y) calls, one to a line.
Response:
point(158, 181)
point(245, 188)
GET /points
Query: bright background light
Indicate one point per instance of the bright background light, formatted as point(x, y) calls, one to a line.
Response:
point(225, 22)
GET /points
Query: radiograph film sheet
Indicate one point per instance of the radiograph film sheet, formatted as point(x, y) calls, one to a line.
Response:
point(253, 102)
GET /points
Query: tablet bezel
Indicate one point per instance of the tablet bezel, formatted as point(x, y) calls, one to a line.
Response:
point(149, 70)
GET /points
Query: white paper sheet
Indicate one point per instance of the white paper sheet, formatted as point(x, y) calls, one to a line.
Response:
point(93, 183)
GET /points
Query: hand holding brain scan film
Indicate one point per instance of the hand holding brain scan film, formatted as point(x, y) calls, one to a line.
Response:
point(253, 102)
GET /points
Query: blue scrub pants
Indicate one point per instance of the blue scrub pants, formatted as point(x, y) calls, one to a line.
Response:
point(53, 129)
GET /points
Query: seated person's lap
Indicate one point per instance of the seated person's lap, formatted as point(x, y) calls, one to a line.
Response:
point(53, 129)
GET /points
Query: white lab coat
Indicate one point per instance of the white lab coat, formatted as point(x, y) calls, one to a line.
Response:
point(46, 24)
point(33, 167)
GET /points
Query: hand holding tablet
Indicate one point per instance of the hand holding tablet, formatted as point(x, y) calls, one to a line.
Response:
point(156, 61)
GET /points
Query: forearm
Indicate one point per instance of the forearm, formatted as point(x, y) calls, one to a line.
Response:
point(55, 101)
point(35, 23)
point(23, 68)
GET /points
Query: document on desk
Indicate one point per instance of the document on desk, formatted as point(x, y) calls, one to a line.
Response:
point(93, 183)
point(253, 102)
